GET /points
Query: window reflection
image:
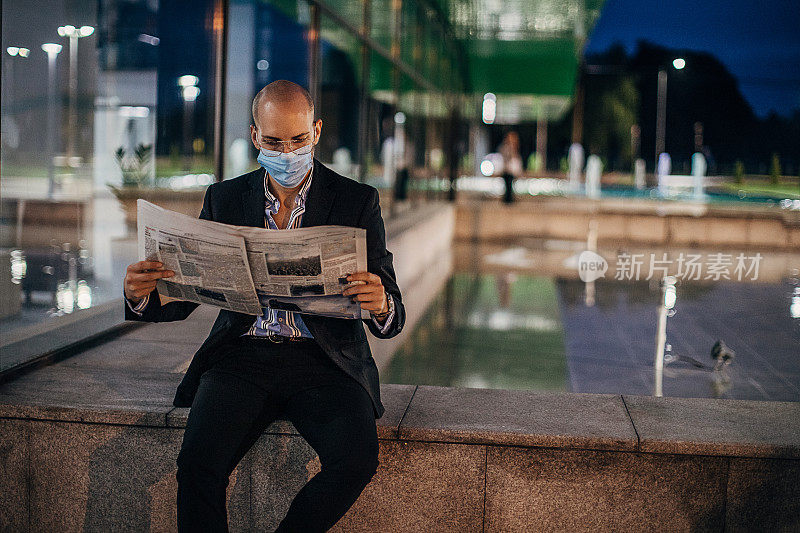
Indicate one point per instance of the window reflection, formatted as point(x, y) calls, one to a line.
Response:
point(105, 102)
point(102, 103)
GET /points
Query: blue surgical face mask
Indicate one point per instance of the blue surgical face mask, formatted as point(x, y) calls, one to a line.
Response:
point(287, 168)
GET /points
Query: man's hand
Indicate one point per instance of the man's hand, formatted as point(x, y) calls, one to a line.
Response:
point(141, 277)
point(371, 295)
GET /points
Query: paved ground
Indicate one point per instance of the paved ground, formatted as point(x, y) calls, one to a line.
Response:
point(610, 347)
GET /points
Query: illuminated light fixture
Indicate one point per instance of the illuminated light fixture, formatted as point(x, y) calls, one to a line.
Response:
point(65, 298)
point(23, 52)
point(51, 48)
point(399, 118)
point(12, 50)
point(148, 39)
point(190, 93)
point(262, 64)
point(188, 80)
point(679, 63)
point(489, 108)
point(84, 295)
point(134, 111)
point(670, 294)
point(71, 31)
point(487, 168)
point(19, 266)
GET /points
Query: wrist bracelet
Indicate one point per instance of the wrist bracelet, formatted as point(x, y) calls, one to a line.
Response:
point(389, 305)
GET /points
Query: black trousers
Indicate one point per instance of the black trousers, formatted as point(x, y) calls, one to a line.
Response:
point(256, 382)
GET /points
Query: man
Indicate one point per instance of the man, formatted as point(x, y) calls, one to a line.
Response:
point(315, 371)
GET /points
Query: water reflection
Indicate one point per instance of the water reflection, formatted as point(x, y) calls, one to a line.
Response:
point(794, 306)
point(44, 281)
point(513, 316)
point(477, 333)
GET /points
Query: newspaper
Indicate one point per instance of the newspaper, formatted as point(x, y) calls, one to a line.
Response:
point(245, 269)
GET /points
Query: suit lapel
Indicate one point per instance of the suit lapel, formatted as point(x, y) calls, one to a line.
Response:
point(321, 196)
point(253, 200)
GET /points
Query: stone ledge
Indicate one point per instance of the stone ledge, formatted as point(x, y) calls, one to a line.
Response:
point(518, 418)
point(96, 395)
point(115, 415)
point(684, 426)
point(395, 399)
point(538, 489)
point(55, 399)
point(58, 477)
point(707, 426)
point(623, 222)
point(634, 206)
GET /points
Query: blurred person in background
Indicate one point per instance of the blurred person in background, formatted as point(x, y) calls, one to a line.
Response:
point(512, 163)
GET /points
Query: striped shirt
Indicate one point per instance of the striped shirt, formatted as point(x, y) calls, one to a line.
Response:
point(276, 321)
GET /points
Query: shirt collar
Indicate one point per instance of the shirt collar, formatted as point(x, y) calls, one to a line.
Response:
point(273, 204)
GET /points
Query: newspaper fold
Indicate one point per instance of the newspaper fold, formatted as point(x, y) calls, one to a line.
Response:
point(244, 269)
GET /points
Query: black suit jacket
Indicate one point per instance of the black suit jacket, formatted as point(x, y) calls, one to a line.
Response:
point(332, 199)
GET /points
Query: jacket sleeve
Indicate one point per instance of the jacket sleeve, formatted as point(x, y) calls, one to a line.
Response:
point(153, 310)
point(379, 261)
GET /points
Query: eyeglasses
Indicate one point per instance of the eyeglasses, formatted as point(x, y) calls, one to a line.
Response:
point(273, 148)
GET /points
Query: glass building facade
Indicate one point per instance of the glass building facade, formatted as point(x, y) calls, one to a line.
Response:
point(108, 101)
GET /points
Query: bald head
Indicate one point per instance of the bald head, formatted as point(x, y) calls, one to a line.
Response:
point(283, 112)
point(283, 94)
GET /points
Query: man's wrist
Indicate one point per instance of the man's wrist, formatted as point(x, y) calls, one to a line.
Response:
point(138, 307)
point(385, 323)
point(389, 307)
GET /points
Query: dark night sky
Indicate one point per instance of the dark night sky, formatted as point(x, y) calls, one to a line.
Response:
point(759, 42)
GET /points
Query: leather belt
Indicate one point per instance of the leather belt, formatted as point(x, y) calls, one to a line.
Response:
point(277, 339)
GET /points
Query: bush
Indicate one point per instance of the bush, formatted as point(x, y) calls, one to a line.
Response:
point(738, 172)
point(775, 170)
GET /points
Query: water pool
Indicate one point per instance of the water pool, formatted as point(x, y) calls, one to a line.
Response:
point(528, 326)
point(713, 194)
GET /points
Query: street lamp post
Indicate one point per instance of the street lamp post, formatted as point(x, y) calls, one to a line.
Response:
point(11, 133)
point(665, 309)
point(52, 50)
point(13, 51)
point(189, 93)
point(74, 34)
point(661, 106)
point(661, 112)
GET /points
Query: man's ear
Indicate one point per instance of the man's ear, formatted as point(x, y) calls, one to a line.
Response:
point(317, 130)
point(254, 136)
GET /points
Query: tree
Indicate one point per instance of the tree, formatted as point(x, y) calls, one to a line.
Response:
point(609, 121)
point(775, 169)
point(620, 90)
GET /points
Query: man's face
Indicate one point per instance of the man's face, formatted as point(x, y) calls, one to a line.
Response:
point(284, 127)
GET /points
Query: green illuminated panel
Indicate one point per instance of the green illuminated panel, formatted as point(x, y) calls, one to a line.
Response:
point(532, 67)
